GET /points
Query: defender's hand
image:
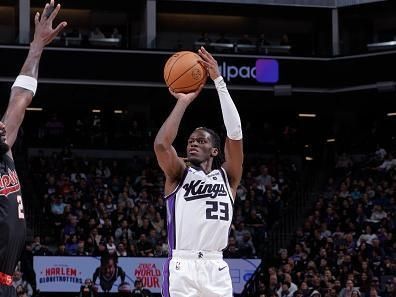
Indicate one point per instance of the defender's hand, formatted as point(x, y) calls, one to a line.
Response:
point(186, 98)
point(44, 33)
point(210, 63)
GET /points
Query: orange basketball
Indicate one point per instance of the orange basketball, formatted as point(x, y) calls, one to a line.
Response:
point(183, 72)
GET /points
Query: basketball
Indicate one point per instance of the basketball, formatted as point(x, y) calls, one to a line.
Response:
point(183, 72)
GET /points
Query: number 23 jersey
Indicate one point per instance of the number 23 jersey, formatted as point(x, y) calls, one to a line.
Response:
point(12, 219)
point(199, 211)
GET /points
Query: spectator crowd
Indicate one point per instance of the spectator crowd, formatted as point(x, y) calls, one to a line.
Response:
point(346, 246)
point(94, 207)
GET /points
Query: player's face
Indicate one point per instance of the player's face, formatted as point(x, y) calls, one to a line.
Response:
point(3, 145)
point(109, 269)
point(200, 147)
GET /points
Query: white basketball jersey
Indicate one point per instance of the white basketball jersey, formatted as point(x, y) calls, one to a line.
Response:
point(200, 211)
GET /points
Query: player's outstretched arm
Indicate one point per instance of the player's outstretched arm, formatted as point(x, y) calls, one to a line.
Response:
point(25, 85)
point(170, 163)
point(233, 150)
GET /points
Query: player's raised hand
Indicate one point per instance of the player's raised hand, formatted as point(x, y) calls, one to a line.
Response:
point(210, 63)
point(187, 98)
point(44, 33)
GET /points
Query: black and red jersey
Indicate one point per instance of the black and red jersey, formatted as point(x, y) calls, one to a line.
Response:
point(12, 217)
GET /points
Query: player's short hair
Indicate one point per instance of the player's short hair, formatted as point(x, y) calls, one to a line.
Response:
point(215, 137)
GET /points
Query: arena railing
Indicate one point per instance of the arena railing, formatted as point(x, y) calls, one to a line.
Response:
point(246, 48)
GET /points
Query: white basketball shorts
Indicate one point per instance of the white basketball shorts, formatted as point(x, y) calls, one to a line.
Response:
point(196, 274)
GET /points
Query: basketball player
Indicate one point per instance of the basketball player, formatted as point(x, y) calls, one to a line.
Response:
point(12, 219)
point(200, 197)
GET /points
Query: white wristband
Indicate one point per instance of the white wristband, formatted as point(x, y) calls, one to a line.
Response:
point(26, 82)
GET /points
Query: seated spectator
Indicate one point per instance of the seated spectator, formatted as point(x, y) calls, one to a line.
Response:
point(123, 232)
point(21, 284)
point(36, 244)
point(204, 38)
point(367, 237)
point(390, 287)
point(284, 290)
point(58, 207)
point(71, 226)
point(244, 40)
point(153, 237)
point(124, 289)
point(139, 290)
point(121, 250)
point(262, 41)
point(264, 180)
point(132, 250)
point(375, 285)
point(116, 34)
point(380, 153)
point(378, 214)
point(232, 252)
point(101, 250)
point(246, 246)
point(158, 222)
point(81, 249)
point(21, 291)
point(71, 245)
point(87, 289)
point(95, 236)
point(61, 251)
point(97, 34)
point(273, 285)
point(284, 40)
point(388, 164)
point(144, 246)
point(223, 39)
point(111, 247)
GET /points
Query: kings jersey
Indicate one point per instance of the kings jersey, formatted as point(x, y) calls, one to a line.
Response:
point(200, 211)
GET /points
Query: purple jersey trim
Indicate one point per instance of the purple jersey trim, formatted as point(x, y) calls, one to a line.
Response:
point(165, 275)
point(171, 224)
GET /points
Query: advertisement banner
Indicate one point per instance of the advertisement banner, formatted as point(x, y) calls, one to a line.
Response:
point(67, 274)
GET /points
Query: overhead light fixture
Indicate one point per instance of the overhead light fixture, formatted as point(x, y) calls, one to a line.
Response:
point(385, 86)
point(96, 111)
point(118, 111)
point(307, 158)
point(330, 140)
point(307, 115)
point(391, 114)
point(307, 145)
point(34, 109)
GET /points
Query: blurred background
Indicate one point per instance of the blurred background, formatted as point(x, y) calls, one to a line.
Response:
point(315, 211)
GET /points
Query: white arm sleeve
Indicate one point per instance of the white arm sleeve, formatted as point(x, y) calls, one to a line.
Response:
point(231, 118)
